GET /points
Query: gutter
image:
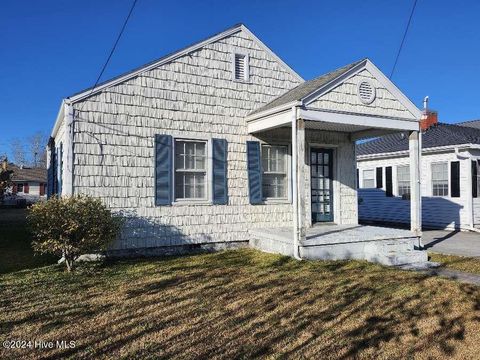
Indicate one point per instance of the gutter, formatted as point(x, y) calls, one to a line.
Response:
point(424, 151)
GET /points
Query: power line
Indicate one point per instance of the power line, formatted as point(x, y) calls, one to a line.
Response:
point(114, 46)
point(403, 39)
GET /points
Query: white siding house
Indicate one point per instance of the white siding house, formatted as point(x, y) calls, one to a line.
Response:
point(29, 184)
point(449, 178)
point(202, 147)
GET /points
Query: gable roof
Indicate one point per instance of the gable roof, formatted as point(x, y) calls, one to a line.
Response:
point(301, 91)
point(176, 54)
point(472, 123)
point(27, 173)
point(435, 136)
point(308, 91)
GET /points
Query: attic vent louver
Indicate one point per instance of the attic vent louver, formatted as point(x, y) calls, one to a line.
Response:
point(366, 92)
point(240, 67)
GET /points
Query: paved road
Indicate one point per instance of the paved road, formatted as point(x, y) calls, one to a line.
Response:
point(452, 242)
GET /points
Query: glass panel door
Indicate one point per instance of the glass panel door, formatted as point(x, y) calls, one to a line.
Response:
point(321, 165)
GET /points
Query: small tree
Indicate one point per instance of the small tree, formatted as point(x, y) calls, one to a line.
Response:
point(72, 226)
point(5, 178)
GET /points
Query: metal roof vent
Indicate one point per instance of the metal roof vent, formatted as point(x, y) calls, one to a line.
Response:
point(366, 92)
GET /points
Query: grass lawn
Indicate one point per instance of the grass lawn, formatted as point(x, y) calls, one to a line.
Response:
point(240, 304)
point(15, 250)
point(461, 263)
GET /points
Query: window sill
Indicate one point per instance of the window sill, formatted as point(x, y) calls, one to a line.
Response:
point(276, 201)
point(191, 202)
point(243, 81)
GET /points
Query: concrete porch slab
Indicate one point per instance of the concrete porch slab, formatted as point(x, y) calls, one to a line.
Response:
point(336, 234)
point(383, 245)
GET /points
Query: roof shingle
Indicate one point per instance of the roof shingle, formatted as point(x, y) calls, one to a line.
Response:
point(306, 88)
point(435, 136)
point(28, 174)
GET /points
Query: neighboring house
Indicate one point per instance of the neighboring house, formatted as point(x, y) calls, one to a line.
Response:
point(450, 183)
point(221, 144)
point(29, 183)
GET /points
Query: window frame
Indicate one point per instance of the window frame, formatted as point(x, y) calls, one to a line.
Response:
point(23, 187)
point(207, 199)
point(288, 158)
point(447, 164)
point(246, 70)
point(372, 179)
point(407, 166)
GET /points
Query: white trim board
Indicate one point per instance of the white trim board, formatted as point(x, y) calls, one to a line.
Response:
point(432, 150)
point(372, 122)
point(176, 55)
point(237, 28)
point(363, 65)
point(377, 74)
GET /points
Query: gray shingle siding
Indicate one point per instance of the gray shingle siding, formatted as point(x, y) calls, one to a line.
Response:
point(191, 97)
point(306, 88)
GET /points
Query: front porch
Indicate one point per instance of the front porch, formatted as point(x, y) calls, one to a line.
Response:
point(321, 120)
point(383, 245)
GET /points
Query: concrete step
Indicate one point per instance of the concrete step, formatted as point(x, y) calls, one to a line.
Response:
point(395, 258)
point(271, 246)
point(398, 245)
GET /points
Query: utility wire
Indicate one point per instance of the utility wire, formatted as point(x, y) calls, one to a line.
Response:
point(103, 70)
point(114, 46)
point(403, 39)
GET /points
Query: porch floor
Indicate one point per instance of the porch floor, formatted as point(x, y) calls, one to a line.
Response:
point(385, 245)
point(336, 234)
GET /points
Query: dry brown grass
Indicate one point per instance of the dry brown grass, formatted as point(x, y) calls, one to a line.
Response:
point(461, 263)
point(240, 304)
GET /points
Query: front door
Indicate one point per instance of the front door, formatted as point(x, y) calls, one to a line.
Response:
point(321, 165)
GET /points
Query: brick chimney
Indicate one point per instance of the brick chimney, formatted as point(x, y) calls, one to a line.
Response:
point(429, 119)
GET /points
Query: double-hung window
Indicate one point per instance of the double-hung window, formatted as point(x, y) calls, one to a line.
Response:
point(190, 169)
point(440, 179)
point(403, 180)
point(20, 187)
point(274, 172)
point(368, 178)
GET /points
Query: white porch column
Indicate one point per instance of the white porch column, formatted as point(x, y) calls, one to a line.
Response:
point(415, 196)
point(301, 164)
point(295, 201)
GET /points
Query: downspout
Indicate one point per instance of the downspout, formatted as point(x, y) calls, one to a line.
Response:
point(67, 187)
point(420, 211)
point(296, 234)
point(470, 185)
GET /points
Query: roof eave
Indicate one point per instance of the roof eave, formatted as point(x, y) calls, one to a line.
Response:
point(273, 111)
point(176, 55)
point(59, 119)
point(428, 150)
point(333, 82)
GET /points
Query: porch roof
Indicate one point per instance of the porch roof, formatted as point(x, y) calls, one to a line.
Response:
point(301, 91)
point(371, 121)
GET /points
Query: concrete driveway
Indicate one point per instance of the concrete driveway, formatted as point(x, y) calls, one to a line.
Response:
point(452, 242)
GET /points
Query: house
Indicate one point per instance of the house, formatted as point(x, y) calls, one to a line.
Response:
point(223, 145)
point(29, 183)
point(449, 176)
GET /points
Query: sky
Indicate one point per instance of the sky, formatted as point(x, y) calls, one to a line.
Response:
point(52, 49)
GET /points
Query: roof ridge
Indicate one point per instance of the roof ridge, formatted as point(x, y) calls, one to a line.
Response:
point(178, 53)
point(147, 64)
